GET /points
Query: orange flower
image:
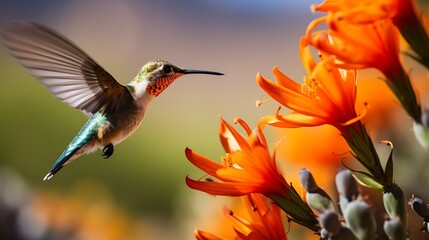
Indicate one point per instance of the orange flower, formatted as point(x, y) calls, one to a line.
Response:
point(250, 169)
point(265, 221)
point(360, 11)
point(376, 47)
point(369, 11)
point(327, 96)
point(402, 12)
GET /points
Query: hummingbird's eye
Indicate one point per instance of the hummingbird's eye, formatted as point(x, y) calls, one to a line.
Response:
point(166, 69)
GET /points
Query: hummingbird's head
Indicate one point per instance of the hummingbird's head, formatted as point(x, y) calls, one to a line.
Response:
point(155, 76)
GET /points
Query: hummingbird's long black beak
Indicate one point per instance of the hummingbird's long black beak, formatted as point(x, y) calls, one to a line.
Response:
point(191, 71)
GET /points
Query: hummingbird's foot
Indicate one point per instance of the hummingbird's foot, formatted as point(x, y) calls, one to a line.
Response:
point(108, 151)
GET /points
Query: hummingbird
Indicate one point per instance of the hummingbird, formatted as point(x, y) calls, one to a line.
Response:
point(115, 111)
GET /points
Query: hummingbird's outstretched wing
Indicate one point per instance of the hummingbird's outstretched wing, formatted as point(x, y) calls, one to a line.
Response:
point(66, 71)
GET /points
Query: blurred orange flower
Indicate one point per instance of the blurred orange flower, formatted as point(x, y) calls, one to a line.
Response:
point(265, 221)
point(381, 106)
point(86, 212)
point(313, 148)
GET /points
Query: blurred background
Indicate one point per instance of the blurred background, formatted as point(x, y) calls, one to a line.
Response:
point(139, 192)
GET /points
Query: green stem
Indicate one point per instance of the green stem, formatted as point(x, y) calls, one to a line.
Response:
point(364, 151)
point(400, 84)
point(297, 210)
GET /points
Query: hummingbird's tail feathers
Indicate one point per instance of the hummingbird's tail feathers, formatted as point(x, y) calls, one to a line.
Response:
point(62, 160)
point(51, 173)
point(81, 144)
point(48, 176)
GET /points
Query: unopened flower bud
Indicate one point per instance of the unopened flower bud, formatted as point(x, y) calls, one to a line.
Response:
point(316, 197)
point(329, 221)
point(394, 229)
point(307, 180)
point(343, 202)
point(347, 185)
point(332, 228)
point(320, 201)
point(360, 220)
point(420, 208)
point(394, 203)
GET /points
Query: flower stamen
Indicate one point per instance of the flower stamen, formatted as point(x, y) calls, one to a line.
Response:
point(309, 87)
point(260, 102)
point(227, 160)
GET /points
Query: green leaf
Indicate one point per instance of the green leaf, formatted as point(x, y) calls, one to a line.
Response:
point(297, 211)
point(367, 181)
point(365, 178)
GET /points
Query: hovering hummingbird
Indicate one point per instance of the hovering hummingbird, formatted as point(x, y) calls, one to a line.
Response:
point(115, 111)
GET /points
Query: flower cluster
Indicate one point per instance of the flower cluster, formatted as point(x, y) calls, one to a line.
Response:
point(361, 34)
point(379, 48)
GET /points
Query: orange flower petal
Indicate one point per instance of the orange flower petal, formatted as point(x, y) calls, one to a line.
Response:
point(238, 175)
point(242, 142)
point(227, 140)
point(306, 56)
point(202, 235)
point(274, 121)
point(285, 81)
point(221, 188)
point(300, 120)
point(291, 99)
point(202, 162)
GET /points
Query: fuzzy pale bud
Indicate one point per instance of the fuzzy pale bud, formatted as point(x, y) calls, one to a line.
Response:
point(307, 181)
point(360, 220)
point(347, 185)
point(394, 203)
point(332, 228)
point(347, 188)
point(329, 221)
point(394, 229)
point(316, 197)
